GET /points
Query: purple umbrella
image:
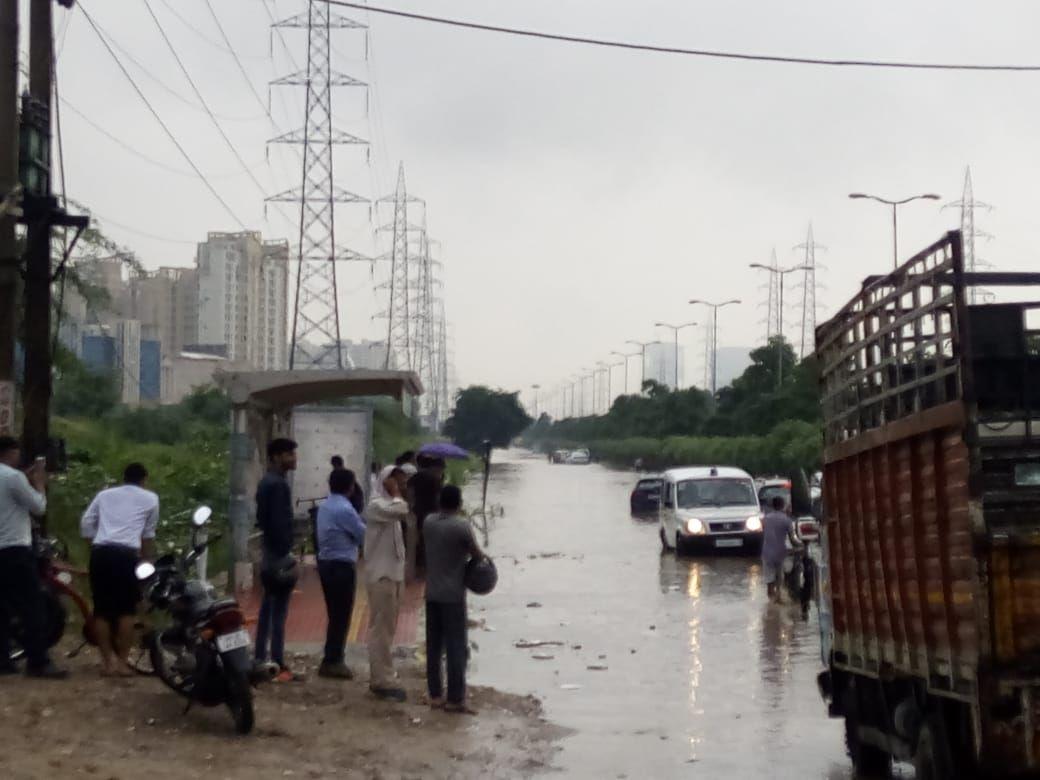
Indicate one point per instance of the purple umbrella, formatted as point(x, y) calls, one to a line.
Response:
point(443, 449)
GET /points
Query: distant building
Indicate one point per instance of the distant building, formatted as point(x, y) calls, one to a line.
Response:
point(243, 299)
point(190, 371)
point(660, 364)
point(118, 351)
point(163, 302)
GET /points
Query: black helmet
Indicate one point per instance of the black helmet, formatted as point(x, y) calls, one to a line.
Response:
point(481, 576)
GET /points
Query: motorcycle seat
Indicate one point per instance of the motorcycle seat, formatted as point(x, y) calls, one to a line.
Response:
point(222, 604)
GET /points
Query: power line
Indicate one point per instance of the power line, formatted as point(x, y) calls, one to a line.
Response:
point(238, 61)
point(205, 105)
point(128, 229)
point(709, 53)
point(158, 118)
point(203, 36)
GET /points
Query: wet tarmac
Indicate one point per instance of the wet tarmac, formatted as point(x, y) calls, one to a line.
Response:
point(665, 667)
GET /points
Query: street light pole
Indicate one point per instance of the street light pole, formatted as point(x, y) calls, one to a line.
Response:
point(625, 356)
point(714, 337)
point(895, 204)
point(536, 388)
point(675, 331)
point(642, 353)
point(780, 273)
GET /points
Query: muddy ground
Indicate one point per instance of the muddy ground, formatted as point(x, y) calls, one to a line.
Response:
point(136, 728)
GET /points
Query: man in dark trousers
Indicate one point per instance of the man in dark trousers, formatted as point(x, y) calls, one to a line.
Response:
point(341, 531)
point(450, 545)
point(425, 491)
point(22, 495)
point(274, 517)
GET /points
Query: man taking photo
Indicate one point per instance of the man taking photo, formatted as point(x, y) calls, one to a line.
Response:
point(21, 495)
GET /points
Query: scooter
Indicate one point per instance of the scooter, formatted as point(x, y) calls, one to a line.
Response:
point(202, 650)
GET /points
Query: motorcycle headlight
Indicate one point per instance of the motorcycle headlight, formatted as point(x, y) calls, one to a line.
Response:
point(753, 523)
point(694, 526)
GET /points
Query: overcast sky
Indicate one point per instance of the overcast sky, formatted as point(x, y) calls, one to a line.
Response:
point(580, 194)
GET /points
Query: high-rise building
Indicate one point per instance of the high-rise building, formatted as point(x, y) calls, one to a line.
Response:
point(163, 302)
point(661, 363)
point(128, 360)
point(243, 288)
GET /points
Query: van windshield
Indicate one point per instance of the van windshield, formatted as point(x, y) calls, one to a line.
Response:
point(715, 492)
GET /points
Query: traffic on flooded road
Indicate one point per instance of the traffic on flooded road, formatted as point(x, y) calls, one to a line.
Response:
point(660, 665)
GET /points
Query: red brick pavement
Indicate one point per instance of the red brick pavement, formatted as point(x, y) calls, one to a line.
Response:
point(307, 619)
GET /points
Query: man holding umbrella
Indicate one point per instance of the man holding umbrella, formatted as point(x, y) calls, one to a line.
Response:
point(425, 488)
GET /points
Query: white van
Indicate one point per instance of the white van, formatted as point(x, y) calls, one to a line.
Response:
point(709, 508)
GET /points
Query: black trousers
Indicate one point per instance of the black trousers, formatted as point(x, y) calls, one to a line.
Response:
point(22, 597)
point(447, 634)
point(338, 581)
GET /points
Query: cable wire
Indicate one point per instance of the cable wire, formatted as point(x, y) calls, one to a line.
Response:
point(215, 44)
point(238, 61)
point(159, 119)
point(205, 105)
point(709, 53)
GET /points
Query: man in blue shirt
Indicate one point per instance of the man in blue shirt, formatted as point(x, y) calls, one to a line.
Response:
point(341, 531)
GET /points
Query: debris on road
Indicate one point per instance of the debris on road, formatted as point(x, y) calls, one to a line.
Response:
point(596, 667)
point(542, 656)
point(533, 605)
point(526, 644)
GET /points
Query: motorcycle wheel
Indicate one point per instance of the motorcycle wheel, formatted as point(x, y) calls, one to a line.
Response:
point(162, 657)
point(55, 618)
point(240, 701)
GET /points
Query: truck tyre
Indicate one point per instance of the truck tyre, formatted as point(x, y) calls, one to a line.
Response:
point(868, 760)
point(933, 759)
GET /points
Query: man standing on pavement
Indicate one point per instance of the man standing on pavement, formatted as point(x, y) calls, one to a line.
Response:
point(425, 490)
point(20, 594)
point(121, 523)
point(278, 569)
point(450, 545)
point(776, 528)
point(384, 579)
point(341, 531)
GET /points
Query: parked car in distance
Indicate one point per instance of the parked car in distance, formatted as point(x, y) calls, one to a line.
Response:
point(768, 489)
point(579, 457)
point(646, 495)
point(559, 456)
point(709, 508)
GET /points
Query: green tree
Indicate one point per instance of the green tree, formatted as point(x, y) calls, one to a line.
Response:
point(78, 392)
point(482, 414)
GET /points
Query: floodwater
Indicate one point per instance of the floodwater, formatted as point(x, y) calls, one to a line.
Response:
point(702, 676)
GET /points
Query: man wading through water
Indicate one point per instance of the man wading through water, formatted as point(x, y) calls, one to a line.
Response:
point(278, 569)
point(450, 545)
point(776, 528)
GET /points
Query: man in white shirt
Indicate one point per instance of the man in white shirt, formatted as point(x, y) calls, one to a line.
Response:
point(121, 522)
point(21, 495)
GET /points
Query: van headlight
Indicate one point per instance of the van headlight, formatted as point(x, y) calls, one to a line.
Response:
point(753, 523)
point(694, 526)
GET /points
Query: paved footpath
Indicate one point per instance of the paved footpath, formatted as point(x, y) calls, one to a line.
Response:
point(307, 619)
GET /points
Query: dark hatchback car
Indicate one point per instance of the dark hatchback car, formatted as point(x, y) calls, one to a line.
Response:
point(646, 495)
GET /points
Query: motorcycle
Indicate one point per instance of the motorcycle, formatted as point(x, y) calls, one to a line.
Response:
point(56, 583)
point(799, 566)
point(203, 651)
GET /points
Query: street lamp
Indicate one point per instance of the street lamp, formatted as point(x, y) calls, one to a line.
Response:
point(780, 273)
point(626, 356)
point(895, 204)
point(642, 352)
point(714, 337)
point(536, 388)
point(675, 330)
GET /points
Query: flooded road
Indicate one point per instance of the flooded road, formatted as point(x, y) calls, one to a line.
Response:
point(701, 675)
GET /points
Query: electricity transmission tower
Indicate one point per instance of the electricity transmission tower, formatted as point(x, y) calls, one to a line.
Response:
point(316, 339)
point(969, 233)
point(400, 346)
point(809, 292)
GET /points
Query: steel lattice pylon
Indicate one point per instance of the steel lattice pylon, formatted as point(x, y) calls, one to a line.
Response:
point(809, 293)
point(400, 337)
point(773, 301)
point(316, 325)
point(967, 205)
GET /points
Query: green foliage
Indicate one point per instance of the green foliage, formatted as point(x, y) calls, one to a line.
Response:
point(482, 414)
point(78, 392)
point(203, 415)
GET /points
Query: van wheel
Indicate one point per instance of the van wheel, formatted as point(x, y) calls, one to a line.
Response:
point(932, 758)
point(664, 539)
point(868, 760)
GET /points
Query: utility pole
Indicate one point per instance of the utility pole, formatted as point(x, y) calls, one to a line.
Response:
point(967, 205)
point(642, 362)
point(894, 205)
point(536, 388)
point(779, 273)
point(8, 186)
point(625, 356)
point(713, 337)
point(675, 330)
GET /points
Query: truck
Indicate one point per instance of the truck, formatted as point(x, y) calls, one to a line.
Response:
point(930, 571)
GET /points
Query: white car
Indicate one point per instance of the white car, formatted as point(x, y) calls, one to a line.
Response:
point(709, 508)
point(579, 458)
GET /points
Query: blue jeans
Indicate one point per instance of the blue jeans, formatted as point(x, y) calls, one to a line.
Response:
point(274, 610)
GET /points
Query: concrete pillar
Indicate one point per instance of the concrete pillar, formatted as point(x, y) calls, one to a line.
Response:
point(242, 449)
